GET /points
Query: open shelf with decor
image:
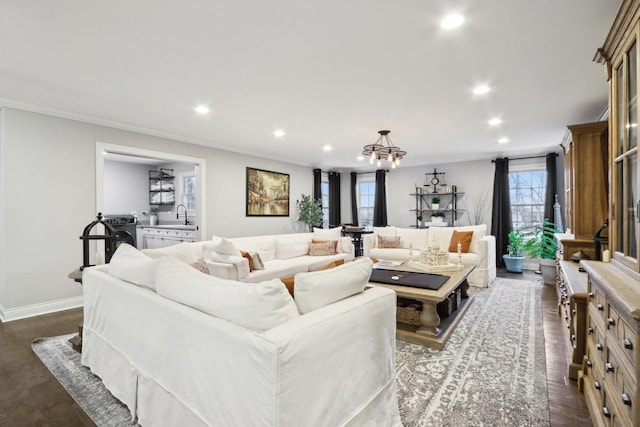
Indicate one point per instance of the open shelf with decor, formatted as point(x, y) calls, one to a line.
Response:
point(162, 187)
point(445, 207)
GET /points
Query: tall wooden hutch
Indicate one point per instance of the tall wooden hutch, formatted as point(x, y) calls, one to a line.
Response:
point(611, 366)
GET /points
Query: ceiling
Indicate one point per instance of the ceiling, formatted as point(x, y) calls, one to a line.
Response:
point(326, 72)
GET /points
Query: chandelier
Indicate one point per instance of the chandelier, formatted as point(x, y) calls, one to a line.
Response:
point(383, 148)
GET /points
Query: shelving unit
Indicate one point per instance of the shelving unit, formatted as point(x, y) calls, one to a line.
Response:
point(162, 187)
point(448, 206)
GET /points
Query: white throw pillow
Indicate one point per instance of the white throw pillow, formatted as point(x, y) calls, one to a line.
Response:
point(256, 306)
point(131, 265)
point(319, 288)
point(226, 247)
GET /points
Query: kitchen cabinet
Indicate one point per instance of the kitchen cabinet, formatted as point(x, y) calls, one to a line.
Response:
point(154, 238)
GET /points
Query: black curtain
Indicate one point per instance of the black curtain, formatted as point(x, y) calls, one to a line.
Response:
point(334, 199)
point(354, 198)
point(552, 187)
point(380, 200)
point(501, 223)
point(317, 185)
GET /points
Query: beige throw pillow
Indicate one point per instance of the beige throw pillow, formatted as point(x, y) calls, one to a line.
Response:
point(392, 242)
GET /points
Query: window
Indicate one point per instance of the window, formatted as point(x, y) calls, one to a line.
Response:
point(527, 191)
point(324, 186)
point(366, 197)
point(187, 191)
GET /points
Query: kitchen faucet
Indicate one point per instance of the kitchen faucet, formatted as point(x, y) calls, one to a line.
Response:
point(186, 218)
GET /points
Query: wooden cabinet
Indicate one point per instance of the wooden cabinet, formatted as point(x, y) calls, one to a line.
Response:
point(586, 185)
point(611, 368)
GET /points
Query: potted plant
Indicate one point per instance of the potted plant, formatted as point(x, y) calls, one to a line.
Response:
point(513, 259)
point(437, 217)
point(435, 203)
point(542, 245)
point(309, 211)
point(419, 218)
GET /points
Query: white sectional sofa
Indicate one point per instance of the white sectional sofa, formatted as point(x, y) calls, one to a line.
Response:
point(282, 255)
point(263, 359)
point(481, 251)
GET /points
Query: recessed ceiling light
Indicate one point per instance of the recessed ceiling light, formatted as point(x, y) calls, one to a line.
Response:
point(327, 148)
point(202, 109)
point(360, 158)
point(452, 21)
point(279, 133)
point(481, 89)
point(495, 121)
point(503, 140)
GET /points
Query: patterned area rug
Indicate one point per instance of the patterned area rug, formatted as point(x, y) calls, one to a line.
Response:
point(492, 372)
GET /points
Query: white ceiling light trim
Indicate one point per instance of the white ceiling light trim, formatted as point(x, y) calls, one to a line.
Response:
point(495, 121)
point(279, 133)
point(503, 140)
point(202, 109)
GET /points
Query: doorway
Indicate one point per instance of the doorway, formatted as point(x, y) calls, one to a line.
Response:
point(103, 150)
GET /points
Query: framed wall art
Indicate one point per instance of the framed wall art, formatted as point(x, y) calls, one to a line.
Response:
point(267, 193)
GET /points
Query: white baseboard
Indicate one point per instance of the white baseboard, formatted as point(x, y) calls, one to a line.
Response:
point(9, 314)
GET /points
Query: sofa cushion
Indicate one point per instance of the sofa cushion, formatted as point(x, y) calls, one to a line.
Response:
point(411, 236)
point(382, 231)
point(276, 269)
point(289, 282)
point(460, 237)
point(388, 241)
point(443, 236)
point(399, 254)
point(186, 252)
point(325, 248)
point(291, 248)
point(131, 265)
point(263, 245)
point(259, 306)
point(335, 244)
point(320, 288)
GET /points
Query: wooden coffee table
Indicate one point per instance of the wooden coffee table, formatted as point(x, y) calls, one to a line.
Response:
point(432, 332)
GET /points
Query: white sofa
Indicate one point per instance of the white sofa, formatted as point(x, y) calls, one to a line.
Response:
point(172, 364)
point(481, 251)
point(283, 255)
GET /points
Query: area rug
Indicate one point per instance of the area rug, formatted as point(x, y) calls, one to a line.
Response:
point(492, 372)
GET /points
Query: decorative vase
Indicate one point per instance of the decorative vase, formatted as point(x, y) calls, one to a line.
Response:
point(513, 263)
point(435, 206)
point(437, 219)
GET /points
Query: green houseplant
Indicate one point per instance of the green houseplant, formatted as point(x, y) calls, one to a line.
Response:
point(437, 217)
point(435, 203)
point(513, 259)
point(309, 211)
point(542, 245)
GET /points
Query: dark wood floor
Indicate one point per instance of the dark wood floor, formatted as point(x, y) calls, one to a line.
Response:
point(31, 396)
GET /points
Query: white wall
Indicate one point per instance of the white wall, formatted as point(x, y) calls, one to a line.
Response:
point(50, 163)
point(126, 187)
point(474, 178)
